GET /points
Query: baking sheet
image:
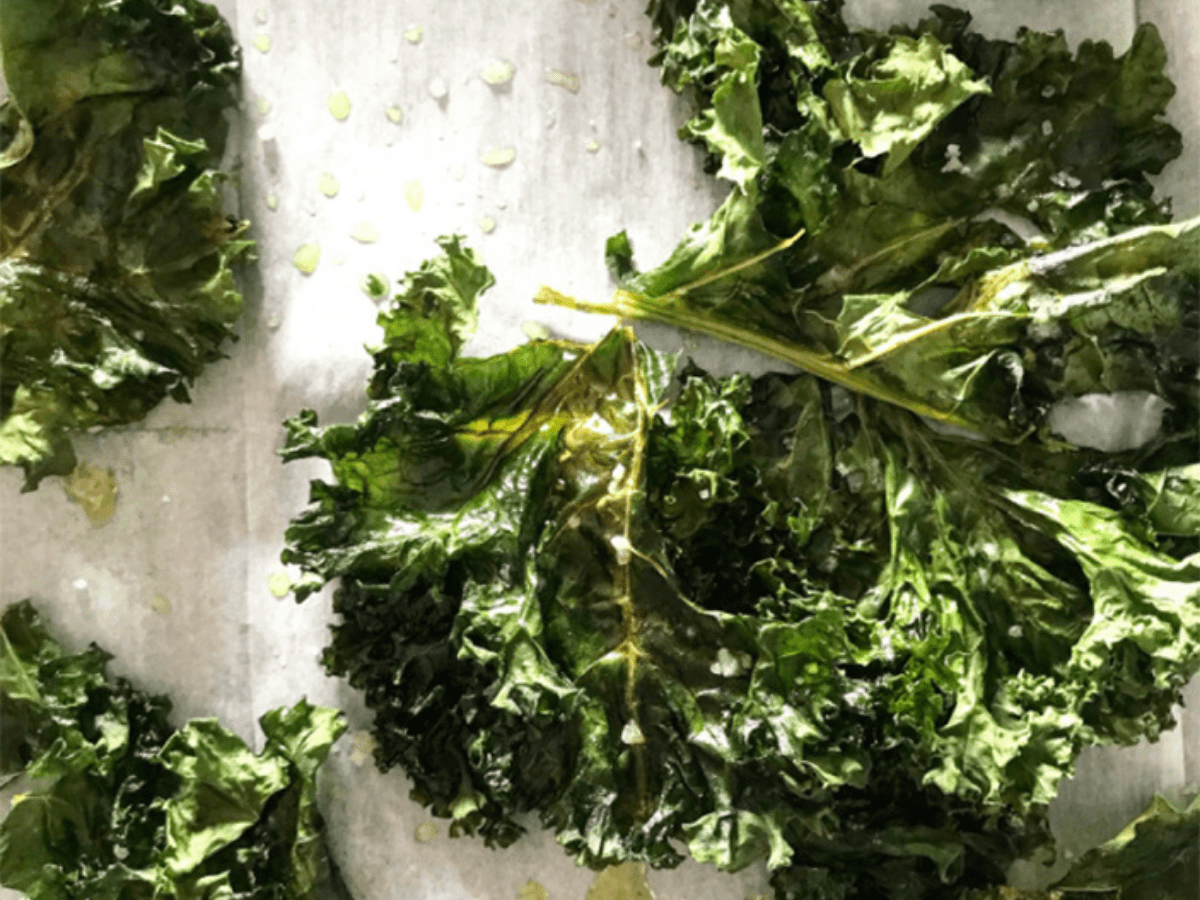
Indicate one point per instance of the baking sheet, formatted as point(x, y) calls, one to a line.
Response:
point(204, 500)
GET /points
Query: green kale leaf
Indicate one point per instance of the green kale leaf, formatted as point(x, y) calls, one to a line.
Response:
point(116, 282)
point(922, 126)
point(1156, 857)
point(1109, 316)
point(764, 619)
point(127, 807)
point(959, 226)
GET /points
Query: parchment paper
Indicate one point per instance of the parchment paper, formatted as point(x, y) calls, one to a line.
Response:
point(203, 498)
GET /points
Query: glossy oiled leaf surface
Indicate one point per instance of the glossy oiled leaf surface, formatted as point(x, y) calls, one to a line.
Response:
point(116, 286)
point(130, 808)
point(898, 201)
point(761, 618)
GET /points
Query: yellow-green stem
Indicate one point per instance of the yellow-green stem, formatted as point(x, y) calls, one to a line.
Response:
point(630, 306)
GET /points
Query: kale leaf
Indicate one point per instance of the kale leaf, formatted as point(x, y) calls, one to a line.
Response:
point(127, 807)
point(762, 618)
point(956, 225)
point(1155, 857)
point(116, 285)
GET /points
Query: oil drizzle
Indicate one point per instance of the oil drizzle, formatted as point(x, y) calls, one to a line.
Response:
point(626, 881)
point(95, 489)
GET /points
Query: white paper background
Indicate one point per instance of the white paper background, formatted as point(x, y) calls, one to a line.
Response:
point(203, 498)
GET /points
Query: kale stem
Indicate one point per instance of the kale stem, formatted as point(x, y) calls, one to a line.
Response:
point(629, 305)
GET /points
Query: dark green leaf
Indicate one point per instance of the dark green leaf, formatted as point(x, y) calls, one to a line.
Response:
point(758, 617)
point(1156, 857)
point(116, 286)
point(129, 808)
point(871, 241)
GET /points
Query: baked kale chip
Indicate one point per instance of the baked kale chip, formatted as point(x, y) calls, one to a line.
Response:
point(127, 807)
point(762, 618)
point(116, 286)
point(957, 225)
